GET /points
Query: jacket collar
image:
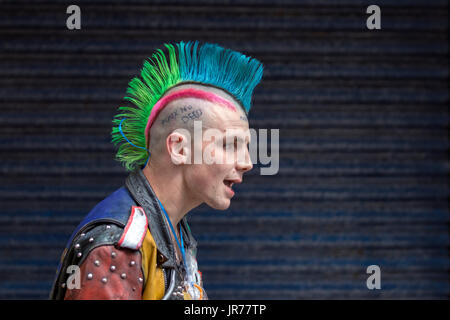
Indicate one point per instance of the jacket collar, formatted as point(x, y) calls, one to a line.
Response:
point(144, 195)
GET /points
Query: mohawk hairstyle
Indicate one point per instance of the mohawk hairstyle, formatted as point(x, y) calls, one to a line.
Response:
point(207, 64)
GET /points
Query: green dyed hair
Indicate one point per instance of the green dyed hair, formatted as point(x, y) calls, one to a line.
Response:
point(207, 64)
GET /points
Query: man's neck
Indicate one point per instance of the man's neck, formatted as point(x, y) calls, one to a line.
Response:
point(169, 188)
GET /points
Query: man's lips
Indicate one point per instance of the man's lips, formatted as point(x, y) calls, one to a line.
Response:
point(229, 184)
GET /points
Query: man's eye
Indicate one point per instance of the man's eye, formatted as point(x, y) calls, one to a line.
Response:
point(231, 145)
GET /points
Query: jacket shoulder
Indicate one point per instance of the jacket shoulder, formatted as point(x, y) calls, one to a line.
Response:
point(129, 236)
point(97, 235)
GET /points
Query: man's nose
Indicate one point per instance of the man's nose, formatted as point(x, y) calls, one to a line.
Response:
point(245, 165)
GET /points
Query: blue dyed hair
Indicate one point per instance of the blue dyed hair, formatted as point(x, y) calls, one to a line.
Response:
point(224, 68)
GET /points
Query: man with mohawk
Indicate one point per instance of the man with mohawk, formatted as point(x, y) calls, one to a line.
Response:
point(136, 243)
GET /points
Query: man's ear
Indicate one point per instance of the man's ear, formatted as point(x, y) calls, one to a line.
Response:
point(178, 145)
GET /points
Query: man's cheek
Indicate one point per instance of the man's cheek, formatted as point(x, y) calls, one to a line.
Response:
point(202, 179)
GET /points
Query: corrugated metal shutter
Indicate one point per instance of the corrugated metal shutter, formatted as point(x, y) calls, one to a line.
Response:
point(363, 119)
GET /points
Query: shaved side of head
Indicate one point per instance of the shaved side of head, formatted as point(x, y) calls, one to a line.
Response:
point(181, 114)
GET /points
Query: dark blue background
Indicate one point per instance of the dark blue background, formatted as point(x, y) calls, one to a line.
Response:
point(363, 119)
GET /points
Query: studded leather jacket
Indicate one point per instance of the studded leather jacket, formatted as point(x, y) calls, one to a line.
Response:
point(123, 250)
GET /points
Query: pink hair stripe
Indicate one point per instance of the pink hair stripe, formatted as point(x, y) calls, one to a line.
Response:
point(185, 93)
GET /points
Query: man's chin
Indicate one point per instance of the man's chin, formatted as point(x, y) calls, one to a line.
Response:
point(219, 205)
